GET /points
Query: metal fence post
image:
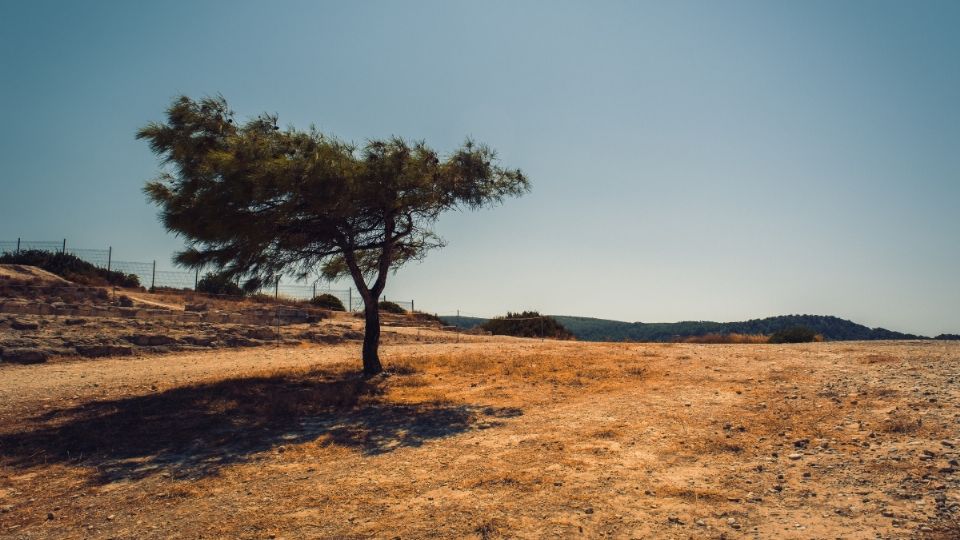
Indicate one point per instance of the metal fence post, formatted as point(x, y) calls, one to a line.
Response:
point(350, 298)
point(276, 290)
point(63, 251)
point(153, 276)
point(18, 245)
point(109, 257)
point(411, 306)
point(196, 280)
point(314, 289)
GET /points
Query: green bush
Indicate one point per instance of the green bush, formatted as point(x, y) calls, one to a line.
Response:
point(391, 307)
point(427, 317)
point(527, 324)
point(328, 301)
point(796, 334)
point(70, 267)
point(219, 284)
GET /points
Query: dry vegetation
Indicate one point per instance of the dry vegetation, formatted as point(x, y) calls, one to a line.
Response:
point(496, 437)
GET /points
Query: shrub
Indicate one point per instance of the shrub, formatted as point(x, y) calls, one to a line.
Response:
point(328, 301)
point(70, 267)
point(726, 338)
point(426, 317)
point(219, 284)
point(796, 334)
point(527, 324)
point(391, 307)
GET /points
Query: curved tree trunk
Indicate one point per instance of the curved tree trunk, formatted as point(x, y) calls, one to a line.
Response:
point(371, 339)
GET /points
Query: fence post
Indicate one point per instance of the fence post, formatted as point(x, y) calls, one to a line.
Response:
point(196, 280)
point(153, 276)
point(63, 250)
point(276, 291)
point(350, 298)
point(18, 245)
point(109, 257)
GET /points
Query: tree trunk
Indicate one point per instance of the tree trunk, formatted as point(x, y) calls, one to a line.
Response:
point(371, 338)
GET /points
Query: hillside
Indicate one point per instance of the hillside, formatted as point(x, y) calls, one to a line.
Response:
point(591, 329)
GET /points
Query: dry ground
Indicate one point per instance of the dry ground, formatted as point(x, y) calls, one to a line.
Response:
point(495, 437)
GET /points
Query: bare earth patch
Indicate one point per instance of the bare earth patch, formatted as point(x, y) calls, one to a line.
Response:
point(495, 437)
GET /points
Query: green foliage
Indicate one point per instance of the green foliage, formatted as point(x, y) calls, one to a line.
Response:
point(796, 334)
point(831, 328)
point(70, 267)
point(427, 317)
point(467, 323)
point(220, 284)
point(328, 301)
point(527, 324)
point(391, 307)
point(257, 201)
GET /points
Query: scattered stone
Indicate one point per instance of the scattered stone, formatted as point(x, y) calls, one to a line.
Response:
point(795, 456)
point(23, 325)
point(25, 356)
point(675, 520)
point(150, 340)
point(262, 333)
point(97, 351)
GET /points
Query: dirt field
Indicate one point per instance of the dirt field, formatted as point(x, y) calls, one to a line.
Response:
point(495, 437)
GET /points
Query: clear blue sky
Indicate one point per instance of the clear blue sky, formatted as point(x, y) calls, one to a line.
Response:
point(689, 160)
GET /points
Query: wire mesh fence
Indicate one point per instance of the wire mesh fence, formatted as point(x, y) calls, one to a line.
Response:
point(96, 257)
point(407, 305)
point(151, 278)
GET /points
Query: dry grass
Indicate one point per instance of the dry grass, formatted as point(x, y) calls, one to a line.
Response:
point(500, 438)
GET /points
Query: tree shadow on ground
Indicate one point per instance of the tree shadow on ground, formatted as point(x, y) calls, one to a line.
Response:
point(194, 431)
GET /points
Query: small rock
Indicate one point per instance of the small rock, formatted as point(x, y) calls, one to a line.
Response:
point(50, 515)
point(795, 456)
point(675, 520)
point(25, 356)
point(23, 325)
point(700, 523)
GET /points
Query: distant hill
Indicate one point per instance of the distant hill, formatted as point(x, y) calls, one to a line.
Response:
point(590, 329)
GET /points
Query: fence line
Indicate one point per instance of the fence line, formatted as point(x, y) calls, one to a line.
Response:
point(152, 278)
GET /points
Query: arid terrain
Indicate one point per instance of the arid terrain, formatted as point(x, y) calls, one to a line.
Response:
point(490, 437)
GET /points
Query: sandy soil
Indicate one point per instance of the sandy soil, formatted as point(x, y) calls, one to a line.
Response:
point(495, 437)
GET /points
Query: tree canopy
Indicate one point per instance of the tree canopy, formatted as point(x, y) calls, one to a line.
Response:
point(256, 201)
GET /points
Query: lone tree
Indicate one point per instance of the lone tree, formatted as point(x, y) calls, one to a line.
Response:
point(255, 201)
